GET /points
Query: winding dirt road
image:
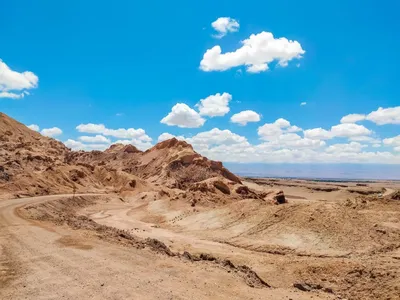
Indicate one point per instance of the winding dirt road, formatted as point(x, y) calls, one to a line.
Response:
point(58, 263)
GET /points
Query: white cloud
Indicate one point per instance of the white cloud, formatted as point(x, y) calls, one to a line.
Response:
point(268, 153)
point(383, 116)
point(280, 134)
point(285, 147)
point(91, 128)
point(256, 53)
point(216, 137)
point(340, 148)
point(293, 141)
point(282, 123)
point(293, 128)
point(304, 143)
point(166, 136)
point(214, 105)
point(270, 131)
point(183, 116)
point(353, 118)
point(121, 133)
point(287, 137)
point(76, 146)
point(51, 132)
point(257, 68)
point(303, 103)
point(376, 145)
point(349, 130)
point(95, 139)
point(34, 127)
point(393, 141)
point(317, 134)
point(12, 81)
point(224, 25)
point(366, 139)
point(12, 95)
point(245, 117)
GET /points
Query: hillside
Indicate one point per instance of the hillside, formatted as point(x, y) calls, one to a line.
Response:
point(31, 164)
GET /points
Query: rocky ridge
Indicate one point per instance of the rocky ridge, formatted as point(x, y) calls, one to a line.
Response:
point(31, 164)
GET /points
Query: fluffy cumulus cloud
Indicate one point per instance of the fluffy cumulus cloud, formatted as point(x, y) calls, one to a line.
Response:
point(283, 142)
point(14, 84)
point(365, 139)
point(383, 116)
point(269, 153)
point(269, 131)
point(349, 130)
point(294, 149)
point(393, 141)
point(101, 139)
point(345, 130)
point(223, 25)
point(256, 53)
point(216, 137)
point(317, 134)
point(280, 136)
point(77, 145)
point(352, 118)
point(293, 128)
point(245, 117)
point(34, 127)
point(122, 133)
point(214, 105)
point(350, 147)
point(13, 95)
point(51, 132)
point(166, 136)
point(183, 116)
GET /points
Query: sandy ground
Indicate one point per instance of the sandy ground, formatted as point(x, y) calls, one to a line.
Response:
point(38, 261)
point(319, 237)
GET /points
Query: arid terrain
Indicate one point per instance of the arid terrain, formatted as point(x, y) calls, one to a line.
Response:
point(168, 223)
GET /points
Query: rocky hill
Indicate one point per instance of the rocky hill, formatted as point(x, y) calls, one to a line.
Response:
point(31, 164)
point(171, 163)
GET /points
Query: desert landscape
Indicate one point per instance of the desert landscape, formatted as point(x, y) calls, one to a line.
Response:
point(168, 223)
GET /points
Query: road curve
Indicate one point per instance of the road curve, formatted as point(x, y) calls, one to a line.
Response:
point(60, 263)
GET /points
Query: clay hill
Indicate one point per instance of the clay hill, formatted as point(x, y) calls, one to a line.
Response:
point(31, 164)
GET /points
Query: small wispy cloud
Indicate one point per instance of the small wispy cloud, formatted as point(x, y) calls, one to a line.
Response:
point(303, 103)
point(224, 25)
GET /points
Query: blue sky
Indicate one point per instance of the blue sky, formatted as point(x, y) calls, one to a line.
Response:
point(126, 64)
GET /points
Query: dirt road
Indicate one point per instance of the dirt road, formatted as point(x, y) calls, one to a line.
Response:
point(58, 263)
